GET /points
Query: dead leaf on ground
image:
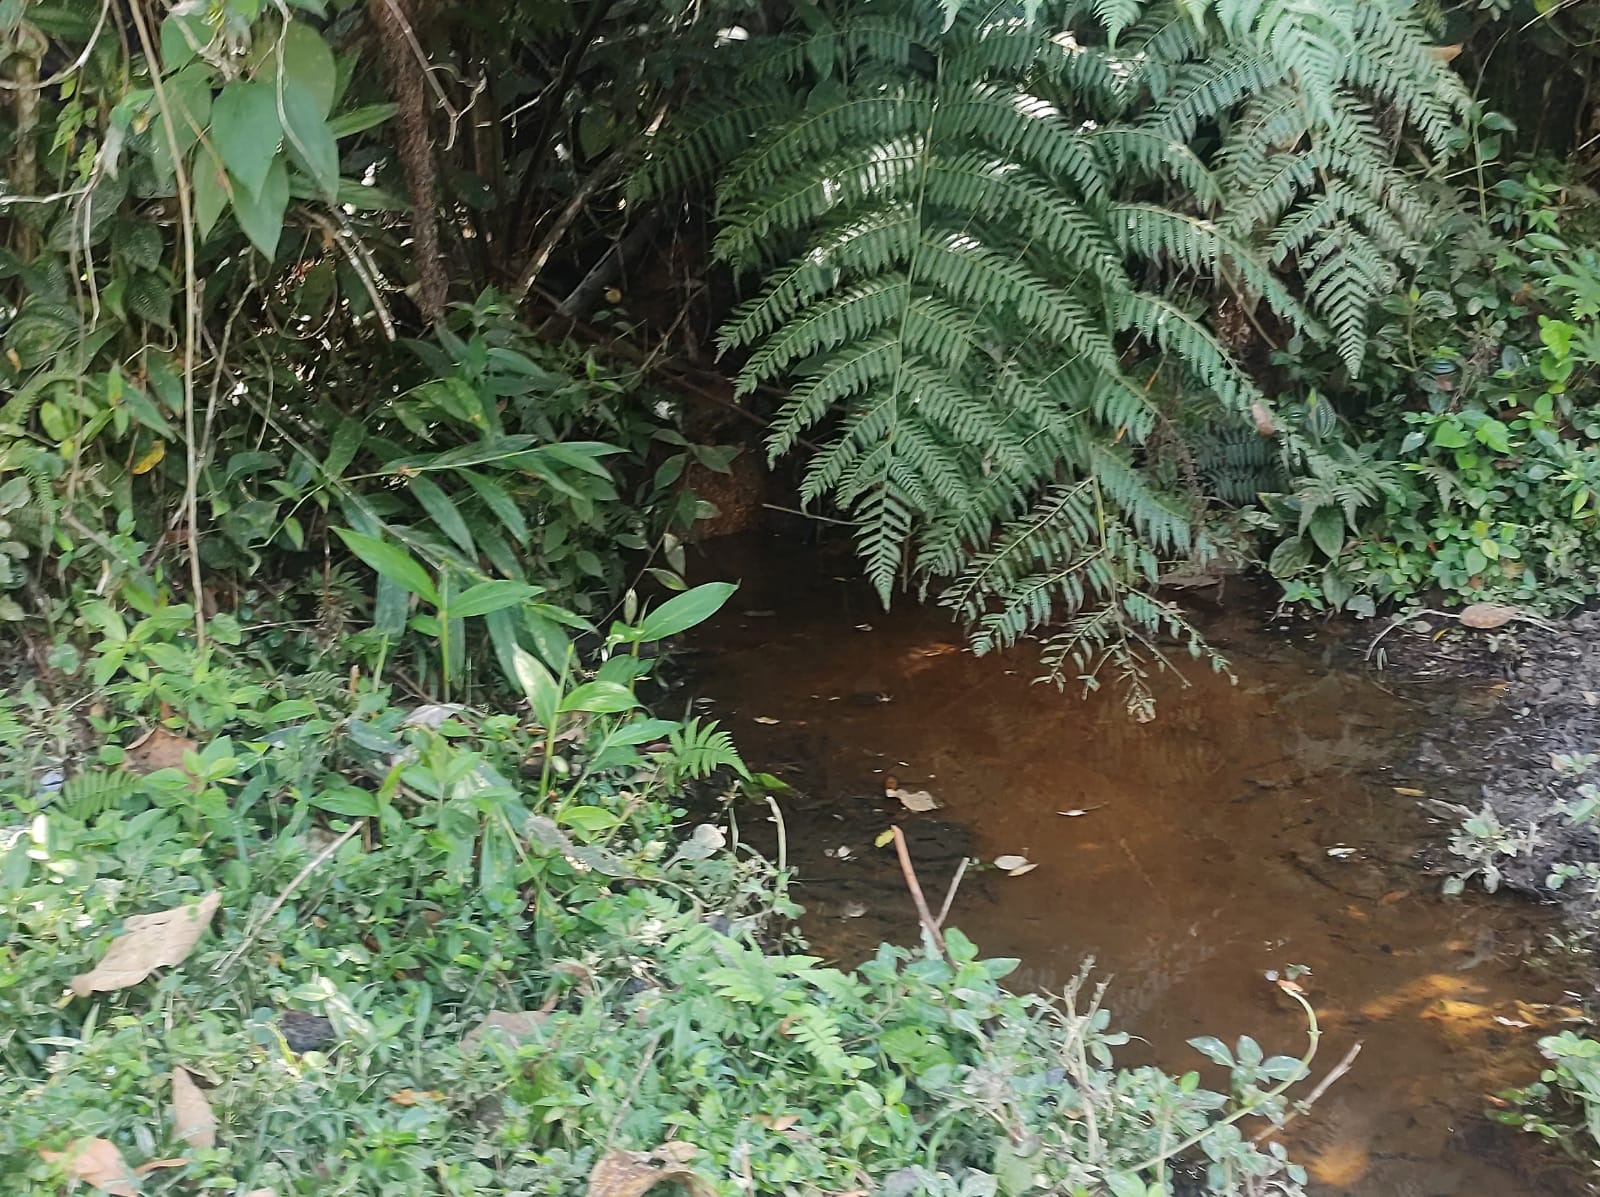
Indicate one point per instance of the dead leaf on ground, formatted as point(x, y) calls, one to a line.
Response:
point(1409, 791)
point(1511, 1022)
point(261, 1193)
point(432, 714)
point(1078, 812)
point(193, 1120)
point(412, 1097)
point(515, 1025)
point(781, 1123)
point(633, 1173)
point(1393, 896)
point(158, 748)
point(97, 1162)
point(1486, 616)
point(919, 801)
point(1266, 424)
point(149, 942)
point(767, 720)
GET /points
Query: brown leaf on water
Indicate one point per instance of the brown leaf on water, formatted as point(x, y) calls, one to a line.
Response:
point(192, 1118)
point(514, 1025)
point(1486, 616)
point(149, 942)
point(633, 1173)
point(158, 749)
point(97, 1162)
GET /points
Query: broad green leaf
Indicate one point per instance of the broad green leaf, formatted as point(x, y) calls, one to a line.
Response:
point(642, 731)
point(490, 596)
point(310, 142)
point(182, 35)
point(359, 120)
point(544, 694)
point(246, 131)
point(588, 818)
point(1213, 1049)
point(392, 562)
point(600, 698)
point(260, 215)
point(188, 106)
point(442, 509)
point(210, 182)
point(307, 63)
point(347, 801)
point(1327, 530)
point(684, 611)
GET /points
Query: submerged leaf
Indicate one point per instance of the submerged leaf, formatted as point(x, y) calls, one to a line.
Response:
point(915, 800)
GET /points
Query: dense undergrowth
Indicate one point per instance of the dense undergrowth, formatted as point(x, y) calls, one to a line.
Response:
point(451, 950)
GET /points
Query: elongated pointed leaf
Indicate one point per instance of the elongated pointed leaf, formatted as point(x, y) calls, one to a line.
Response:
point(443, 511)
point(537, 682)
point(491, 596)
point(684, 611)
point(392, 562)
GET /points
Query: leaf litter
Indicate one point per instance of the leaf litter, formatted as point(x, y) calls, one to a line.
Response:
point(149, 942)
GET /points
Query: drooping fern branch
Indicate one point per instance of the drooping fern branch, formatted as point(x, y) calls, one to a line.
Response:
point(980, 247)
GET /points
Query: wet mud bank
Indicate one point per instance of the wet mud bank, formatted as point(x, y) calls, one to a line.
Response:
point(1253, 826)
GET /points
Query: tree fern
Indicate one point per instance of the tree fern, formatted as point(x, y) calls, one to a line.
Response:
point(965, 269)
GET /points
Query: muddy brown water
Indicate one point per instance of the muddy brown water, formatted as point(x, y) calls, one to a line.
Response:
point(1253, 826)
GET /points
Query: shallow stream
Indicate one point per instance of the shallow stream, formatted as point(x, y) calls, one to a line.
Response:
point(1254, 825)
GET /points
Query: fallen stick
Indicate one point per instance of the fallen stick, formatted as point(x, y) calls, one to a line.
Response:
point(929, 925)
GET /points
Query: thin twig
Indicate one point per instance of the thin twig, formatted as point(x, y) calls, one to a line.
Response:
point(191, 321)
point(929, 926)
point(259, 924)
point(1301, 1107)
point(627, 1100)
point(950, 895)
point(71, 67)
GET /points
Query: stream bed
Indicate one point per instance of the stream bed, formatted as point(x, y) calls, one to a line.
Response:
point(1253, 826)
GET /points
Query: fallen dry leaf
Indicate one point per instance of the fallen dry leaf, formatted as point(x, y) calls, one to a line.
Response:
point(919, 801)
point(97, 1162)
point(1511, 1022)
point(633, 1173)
point(412, 1097)
point(766, 720)
point(1393, 896)
point(1008, 863)
point(148, 942)
point(157, 1165)
point(158, 748)
point(1409, 791)
point(261, 1193)
point(1486, 616)
point(192, 1118)
point(781, 1123)
point(514, 1025)
point(1021, 869)
point(1264, 421)
point(432, 714)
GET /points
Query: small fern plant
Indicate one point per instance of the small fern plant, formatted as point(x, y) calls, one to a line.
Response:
point(984, 239)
